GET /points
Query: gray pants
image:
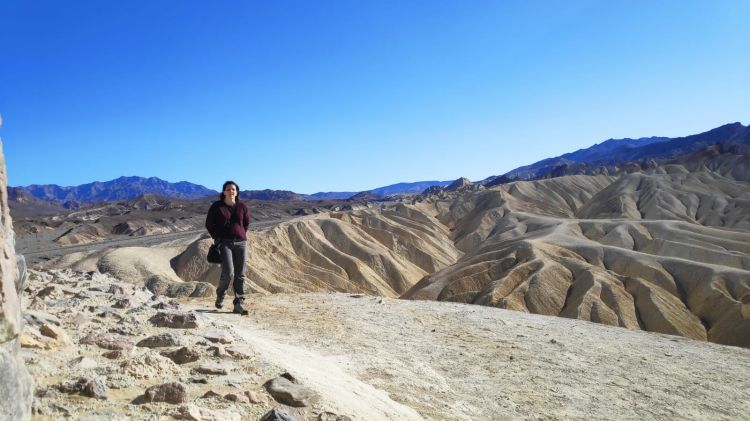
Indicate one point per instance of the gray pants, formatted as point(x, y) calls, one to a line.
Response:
point(233, 258)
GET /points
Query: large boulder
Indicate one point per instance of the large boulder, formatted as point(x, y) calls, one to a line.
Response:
point(15, 382)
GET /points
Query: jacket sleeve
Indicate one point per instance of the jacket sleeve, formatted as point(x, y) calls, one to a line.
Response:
point(211, 221)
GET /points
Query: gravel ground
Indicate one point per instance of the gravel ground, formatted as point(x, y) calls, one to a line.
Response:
point(379, 358)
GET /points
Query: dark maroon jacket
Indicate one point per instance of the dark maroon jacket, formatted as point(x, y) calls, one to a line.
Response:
point(226, 222)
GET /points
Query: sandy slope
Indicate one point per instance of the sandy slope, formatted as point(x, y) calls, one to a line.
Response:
point(379, 358)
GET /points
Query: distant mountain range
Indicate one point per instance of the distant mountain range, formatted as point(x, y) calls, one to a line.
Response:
point(391, 190)
point(126, 188)
point(122, 188)
point(602, 157)
point(615, 152)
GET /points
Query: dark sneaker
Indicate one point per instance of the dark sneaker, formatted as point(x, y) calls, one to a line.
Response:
point(218, 302)
point(238, 309)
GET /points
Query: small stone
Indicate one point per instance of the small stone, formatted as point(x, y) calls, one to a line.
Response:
point(287, 375)
point(94, 389)
point(232, 397)
point(182, 355)
point(84, 363)
point(212, 369)
point(116, 354)
point(175, 320)
point(84, 387)
point(109, 313)
point(218, 351)
point(210, 394)
point(123, 303)
point(173, 393)
point(253, 397)
point(37, 304)
point(289, 393)
point(194, 413)
point(47, 291)
point(53, 331)
point(330, 416)
point(160, 340)
point(239, 353)
point(169, 305)
point(284, 413)
point(109, 341)
point(83, 295)
point(198, 380)
point(218, 337)
point(115, 290)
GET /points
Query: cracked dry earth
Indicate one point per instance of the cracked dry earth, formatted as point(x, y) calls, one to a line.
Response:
point(372, 358)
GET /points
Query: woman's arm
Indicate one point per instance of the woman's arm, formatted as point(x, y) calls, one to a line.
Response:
point(211, 221)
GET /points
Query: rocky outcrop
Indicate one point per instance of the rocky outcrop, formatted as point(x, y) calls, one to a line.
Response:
point(15, 382)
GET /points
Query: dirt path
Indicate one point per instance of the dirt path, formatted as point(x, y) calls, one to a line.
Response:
point(377, 358)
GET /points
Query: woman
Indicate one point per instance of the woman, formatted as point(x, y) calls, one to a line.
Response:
point(227, 221)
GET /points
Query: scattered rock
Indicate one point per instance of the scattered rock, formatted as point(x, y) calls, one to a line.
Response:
point(182, 355)
point(175, 320)
point(38, 318)
point(330, 416)
point(289, 393)
point(284, 413)
point(37, 304)
point(233, 397)
point(92, 388)
point(49, 291)
point(83, 295)
point(253, 397)
point(116, 354)
point(114, 290)
point(219, 351)
point(173, 393)
point(84, 363)
point(194, 413)
point(127, 330)
point(210, 394)
point(161, 286)
point(160, 340)
point(287, 375)
point(54, 332)
point(109, 313)
point(109, 341)
point(150, 366)
point(169, 305)
point(212, 369)
point(216, 336)
point(239, 353)
point(123, 303)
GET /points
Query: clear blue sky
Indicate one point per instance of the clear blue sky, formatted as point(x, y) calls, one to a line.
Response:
point(349, 95)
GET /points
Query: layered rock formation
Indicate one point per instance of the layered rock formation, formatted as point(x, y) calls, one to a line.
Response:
point(379, 252)
point(666, 251)
point(16, 384)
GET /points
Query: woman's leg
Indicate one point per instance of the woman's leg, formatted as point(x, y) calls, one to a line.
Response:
point(239, 256)
point(227, 272)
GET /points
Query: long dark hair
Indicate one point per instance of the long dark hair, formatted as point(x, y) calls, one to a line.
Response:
point(224, 187)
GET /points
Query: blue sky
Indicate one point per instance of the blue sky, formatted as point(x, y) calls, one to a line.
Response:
point(350, 95)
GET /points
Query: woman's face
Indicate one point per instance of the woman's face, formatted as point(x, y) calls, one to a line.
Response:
point(230, 192)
